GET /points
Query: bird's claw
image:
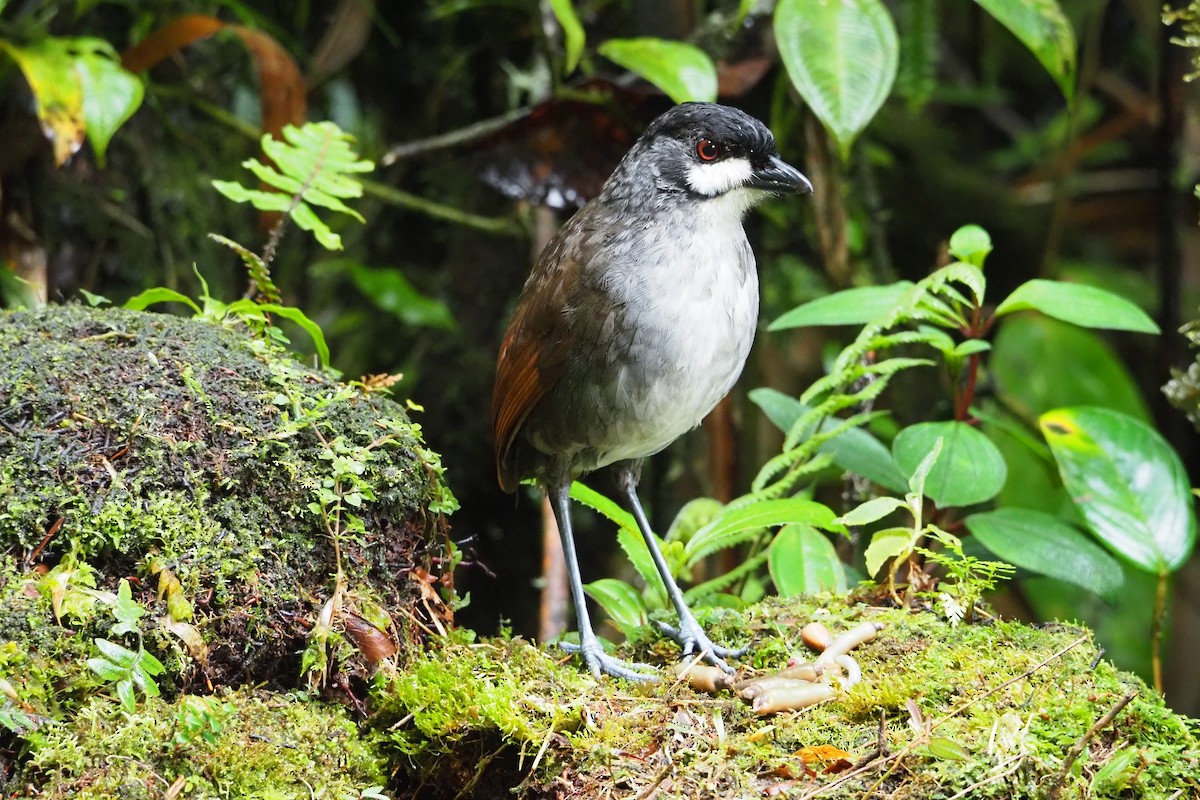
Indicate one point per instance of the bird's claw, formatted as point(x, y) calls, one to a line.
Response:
point(600, 662)
point(692, 638)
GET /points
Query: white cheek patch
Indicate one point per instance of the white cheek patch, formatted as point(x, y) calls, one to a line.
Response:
point(718, 177)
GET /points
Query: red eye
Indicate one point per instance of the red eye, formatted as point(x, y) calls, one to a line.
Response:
point(708, 150)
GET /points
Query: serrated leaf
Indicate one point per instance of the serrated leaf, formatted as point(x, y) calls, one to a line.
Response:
point(886, 544)
point(683, 71)
point(969, 470)
point(1047, 545)
point(1042, 27)
point(842, 58)
point(856, 306)
point(1128, 484)
point(802, 560)
point(736, 523)
point(620, 601)
point(1078, 304)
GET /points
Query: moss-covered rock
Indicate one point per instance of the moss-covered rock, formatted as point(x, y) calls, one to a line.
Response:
point(960, 711)
point(262, 512)
point(244, 744)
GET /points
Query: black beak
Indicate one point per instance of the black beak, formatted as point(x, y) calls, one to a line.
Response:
point(776, 175)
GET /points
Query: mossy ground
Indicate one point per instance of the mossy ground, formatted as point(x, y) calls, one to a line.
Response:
point(478, 716)
point(197, 465)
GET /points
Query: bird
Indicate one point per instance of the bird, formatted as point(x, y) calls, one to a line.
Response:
point(635, 321)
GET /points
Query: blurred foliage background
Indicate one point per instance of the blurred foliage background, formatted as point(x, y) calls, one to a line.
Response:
point(486, 137)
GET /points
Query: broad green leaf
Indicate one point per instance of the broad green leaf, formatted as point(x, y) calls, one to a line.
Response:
point(573, 36)
point(1033, 480)
point(1079, 304)
point(160, 294)
point(110, 93)
point(106, 669)
point(1042, 27)
point(971, 244)
point(1128, 483)
point(873, 510)
point(885, 544)
point(802, 561)
point(1049, 546)
point(118, 654)
point(841, 56)
point(848, 307)
point(620, 601)
point(970, 469)
point(854, 450)
point(683, 71)
point(391, 291)
point(1039, 363)
point(733, 523)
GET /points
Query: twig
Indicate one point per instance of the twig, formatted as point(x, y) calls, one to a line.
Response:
point(441, 141)
point(502, 226)
point(1077, 748)
point(908, 748)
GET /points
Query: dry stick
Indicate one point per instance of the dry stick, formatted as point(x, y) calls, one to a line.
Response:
point(1077, 748)
point(908, 748)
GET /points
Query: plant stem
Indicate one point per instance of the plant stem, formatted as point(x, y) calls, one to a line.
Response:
point(1156, 628)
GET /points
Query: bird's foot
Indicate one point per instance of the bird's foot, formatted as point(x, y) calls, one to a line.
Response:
point(692, 638)
point(600, 662)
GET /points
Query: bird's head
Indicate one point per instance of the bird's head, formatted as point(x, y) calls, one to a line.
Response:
point(706, 151)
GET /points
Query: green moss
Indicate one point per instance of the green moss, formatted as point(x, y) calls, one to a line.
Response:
point(259, 746)
point(511, 701)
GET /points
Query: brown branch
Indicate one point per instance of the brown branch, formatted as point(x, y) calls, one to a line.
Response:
point(1077, 748)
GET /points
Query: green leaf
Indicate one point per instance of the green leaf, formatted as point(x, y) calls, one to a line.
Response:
point(300, 318)
point(1128, 483)
point(391, 291)
point(802, 561)
point(117, 654)
point(971, 244)
point(1047, 545)
point(620, 601)
point(629, 537)
point(873, 510)
point(947, 749)
point(885, 544)
point(694, 515)
point(854, 450)
point(730, 527)
point(683, 71)
point(107, 669)
point(1039, 363)
point(1042, 27)
point(125, 693)
point(573, 36)
point(159, 294)
point(842, 58)
point(126, 609)
point(1079, 304)
point(110, 93)
point(970, 469)
point(848, 307)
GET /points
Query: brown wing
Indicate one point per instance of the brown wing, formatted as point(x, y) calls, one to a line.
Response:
point(532, 356)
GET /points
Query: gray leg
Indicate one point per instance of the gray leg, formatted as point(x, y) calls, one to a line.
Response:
point(689, 634)
point(589, 646)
